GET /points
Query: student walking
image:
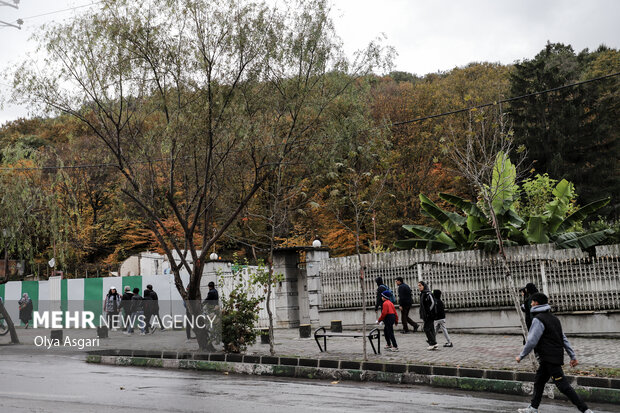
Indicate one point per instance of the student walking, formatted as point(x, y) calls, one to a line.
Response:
point(405, 301)
point(380, 289)
point(111, 307)
point(440, 318)
point(549, 343)
point(155, 308)
point(427, 313)
point(390, 319)
point(137, 312)
point(25, 309)
point(126, 308)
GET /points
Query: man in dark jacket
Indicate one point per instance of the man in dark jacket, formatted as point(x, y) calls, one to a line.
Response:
point(380, 289)
point(126, 307)
point(405, 301)
point(529, 290)
point(549, 343)
point(137, 312)
point(427, 313)
point(154, 308)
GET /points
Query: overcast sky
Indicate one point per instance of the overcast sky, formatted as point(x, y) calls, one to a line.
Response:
point(429, 36)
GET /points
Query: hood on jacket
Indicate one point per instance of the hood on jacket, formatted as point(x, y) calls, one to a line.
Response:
point(530, 288)
point(437, 294)
point(540, 308)
point(379, 281)
point(426, 289)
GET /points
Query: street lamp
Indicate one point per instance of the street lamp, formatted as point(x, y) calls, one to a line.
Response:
point(213, 256)
point(316, 243)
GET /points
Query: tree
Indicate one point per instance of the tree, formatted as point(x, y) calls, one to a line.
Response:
point(571, 133)
point(181, 93)
point(482, 157)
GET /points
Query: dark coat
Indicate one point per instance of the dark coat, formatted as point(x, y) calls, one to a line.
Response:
point(440, 312)
point(530, 289)
point(405, 298)
point(427, 303)
point(126, 302)
point(380, 289)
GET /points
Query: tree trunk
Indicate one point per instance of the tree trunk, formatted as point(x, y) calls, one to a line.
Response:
point(9, 323)
point(512, 289)
point(272, 350)
point(363, 283)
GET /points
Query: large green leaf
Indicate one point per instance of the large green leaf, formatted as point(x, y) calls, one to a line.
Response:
point(466, 206)
point(536, 232)
point(581, 240)
point(450, 221)
point(503, 188)
point(581, 214)
point(422, 231)
point(556, 209)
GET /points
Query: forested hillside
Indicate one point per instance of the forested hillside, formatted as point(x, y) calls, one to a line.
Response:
point(59, 190)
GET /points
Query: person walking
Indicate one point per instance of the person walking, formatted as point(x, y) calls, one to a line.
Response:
point(549, 343)
point(405, 301)
point(380, 289)
point(126, 308)
point(529, 290)
point(155, 308)
point(427, 312)
point(440, 318)
point(389, 316)
point(148, 310)
point(111, 307)
point(137, 312)
point(25, 309)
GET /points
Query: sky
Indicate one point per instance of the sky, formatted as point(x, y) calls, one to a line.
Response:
point(429, 36)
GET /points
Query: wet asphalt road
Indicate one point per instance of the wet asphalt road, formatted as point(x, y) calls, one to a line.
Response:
point(65, 383)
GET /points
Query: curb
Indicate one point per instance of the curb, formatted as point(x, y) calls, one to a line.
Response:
point(591, 389)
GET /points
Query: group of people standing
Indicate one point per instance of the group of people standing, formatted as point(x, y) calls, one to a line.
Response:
point(432, 312)
point(134, 307)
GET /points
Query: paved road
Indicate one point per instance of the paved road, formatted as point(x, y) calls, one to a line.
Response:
point(65, 383)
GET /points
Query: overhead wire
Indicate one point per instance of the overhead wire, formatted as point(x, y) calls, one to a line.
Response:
point(392, 124)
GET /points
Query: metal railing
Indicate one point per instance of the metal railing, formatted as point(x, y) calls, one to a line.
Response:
point(579, 283)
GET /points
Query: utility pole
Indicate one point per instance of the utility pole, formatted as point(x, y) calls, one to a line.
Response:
point(18, 23)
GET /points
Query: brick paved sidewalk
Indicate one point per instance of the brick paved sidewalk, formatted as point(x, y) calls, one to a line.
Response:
point(470, 350)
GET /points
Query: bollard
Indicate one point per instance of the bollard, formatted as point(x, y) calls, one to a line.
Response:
point(264, 336)
point(336, 326)
point(56, 335)
point(305, 330)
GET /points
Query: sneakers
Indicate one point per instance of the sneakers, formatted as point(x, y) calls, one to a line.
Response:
point(588, 411)
point(528, 409)
point(142, 333)
point(114, 329)
point(432, 347)
point(394, 349)
point(387, 347)
point(448, 345)
point(415, 328)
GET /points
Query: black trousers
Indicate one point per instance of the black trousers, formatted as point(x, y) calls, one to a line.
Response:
point(406, 320)
point(388, 330)
point(429, 329)
point(546, 371)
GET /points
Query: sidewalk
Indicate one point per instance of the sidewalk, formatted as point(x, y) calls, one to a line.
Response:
point(597, 357)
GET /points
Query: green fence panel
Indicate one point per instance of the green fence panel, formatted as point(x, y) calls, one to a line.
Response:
point(93, 297)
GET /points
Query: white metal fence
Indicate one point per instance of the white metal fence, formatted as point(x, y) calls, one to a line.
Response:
point(573, 281)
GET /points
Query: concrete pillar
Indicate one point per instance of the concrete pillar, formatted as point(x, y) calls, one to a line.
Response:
point(211, 272)
point(285, 262)
point(314, 258)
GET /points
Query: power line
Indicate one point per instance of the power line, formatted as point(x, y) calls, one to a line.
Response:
point(555, 89)
point(393, 124)
point(56, 12)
